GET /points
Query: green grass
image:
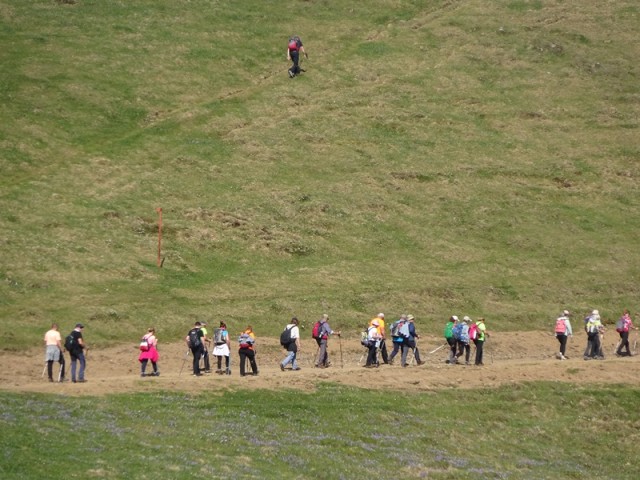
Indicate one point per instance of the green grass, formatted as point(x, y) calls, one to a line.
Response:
point(472, 158)
point(532, 431)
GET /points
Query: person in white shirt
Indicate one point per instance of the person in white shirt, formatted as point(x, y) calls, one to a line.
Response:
point(293, 346)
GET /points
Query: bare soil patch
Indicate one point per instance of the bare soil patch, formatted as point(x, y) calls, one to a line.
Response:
point(510, 358)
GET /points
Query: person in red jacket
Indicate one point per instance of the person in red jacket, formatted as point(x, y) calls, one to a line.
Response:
point(294, 48)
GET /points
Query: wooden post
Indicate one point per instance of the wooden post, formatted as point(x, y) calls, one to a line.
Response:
point(160, 262)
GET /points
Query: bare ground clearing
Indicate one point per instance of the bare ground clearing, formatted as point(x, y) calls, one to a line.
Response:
point(510, 358)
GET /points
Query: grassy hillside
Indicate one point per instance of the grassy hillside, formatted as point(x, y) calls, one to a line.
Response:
point(437, 157)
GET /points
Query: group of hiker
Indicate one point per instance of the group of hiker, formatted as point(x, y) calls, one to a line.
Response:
point(595, 330)
point(460, 335)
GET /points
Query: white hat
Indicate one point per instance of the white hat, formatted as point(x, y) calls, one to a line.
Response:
point(566, 313)
point(454, 318)
point(595, 312)
point(381, 315)
point(466, 318)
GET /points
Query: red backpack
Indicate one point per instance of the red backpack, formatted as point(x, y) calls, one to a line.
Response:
point(561, 326)
point(317, 328)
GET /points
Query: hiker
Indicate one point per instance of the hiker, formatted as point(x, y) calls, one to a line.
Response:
point(383, 346)
point(479, 341)
point(374, 338)
point(396, 338)
point(563, 331)
point(593, 326)
point(294, 48)
point(246, 350)
point(195, 341)
point(623, 327)
point(54, 352)
point(222, 344)
point(76, 352)
point(206, 342)
point(151, 353)
point(322, 339)
point(461, 334)
point(292, 345)
point(410, 342)
point(448, 336)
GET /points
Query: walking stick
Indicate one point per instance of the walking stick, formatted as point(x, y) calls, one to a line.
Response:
point(44, 369)
point(440, 347)
point(183, 362)
point(340, 343)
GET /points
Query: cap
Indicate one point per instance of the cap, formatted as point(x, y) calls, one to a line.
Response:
point(566, 313)
point(410, 317)
point(375, 323)
point(197, 324)
point(79, 325)
point(454, 318)
point(466, 318)
point(595, 312)
point(381, 315)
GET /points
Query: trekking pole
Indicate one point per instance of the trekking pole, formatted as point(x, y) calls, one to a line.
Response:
point(183, 362)
point(490, 350)
point(439, 348)
point(413, 352)
point(340, 343)
point(44, 369)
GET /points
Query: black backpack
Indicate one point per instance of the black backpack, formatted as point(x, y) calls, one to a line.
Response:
point(285, 337)
point(194, 338)
point(70, 343)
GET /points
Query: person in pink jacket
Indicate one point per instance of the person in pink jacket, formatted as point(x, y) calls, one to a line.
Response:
point(149, 352)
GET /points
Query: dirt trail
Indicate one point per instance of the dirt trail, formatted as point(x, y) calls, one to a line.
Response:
point(510, 358)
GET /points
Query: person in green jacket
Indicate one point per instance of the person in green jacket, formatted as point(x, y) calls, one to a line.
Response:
point(448, 335)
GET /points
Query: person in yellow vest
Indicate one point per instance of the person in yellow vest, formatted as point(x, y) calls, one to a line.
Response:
point(482, 335)
point(383, 347)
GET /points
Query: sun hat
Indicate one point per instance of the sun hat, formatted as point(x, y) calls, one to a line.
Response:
point(410, 317)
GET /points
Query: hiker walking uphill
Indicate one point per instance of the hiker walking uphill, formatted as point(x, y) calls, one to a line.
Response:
point(461, 334)
point(623, 327)
point(448, 336)
point(294, 48)
point(321, 332)
point(410, 341)
point(593, 326)
point(290, 340)
point(396, 338)
point(54, 353)
point(222, 344)
point(246, 351)
point(195, 342)
point(563, 331)
point(149, 352)
point(383, 346)
point(76, 347)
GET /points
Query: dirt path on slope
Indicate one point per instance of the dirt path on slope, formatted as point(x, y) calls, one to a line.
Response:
point(510, 358)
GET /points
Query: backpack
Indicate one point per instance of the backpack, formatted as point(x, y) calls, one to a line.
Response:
point(245, 340)
point(285, 337)
point(473, 332)
point(395, 328)
point(293, 43)
point(218, 336)
point(70, 343)
point(364, 338)
point(403, 330)
point(144, 344)
point(317, 329)
point(621, 325)
point(561, 326)
point(194, 338)
point(448, 330)
point(457, 331)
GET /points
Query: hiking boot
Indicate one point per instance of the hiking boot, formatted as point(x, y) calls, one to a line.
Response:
point(421, 362)
point(467, 363)
point(291, 74)
point(143, 374)
point(156, 374)
point(296, 369)
point(228, 371)
point(281, 367)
